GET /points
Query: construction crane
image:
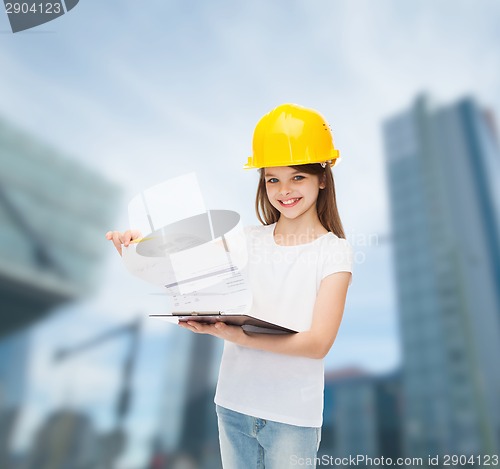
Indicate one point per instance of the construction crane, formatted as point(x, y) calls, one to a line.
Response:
point(113, 443)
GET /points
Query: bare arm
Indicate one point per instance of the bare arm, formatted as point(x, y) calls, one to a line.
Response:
point(314, 343)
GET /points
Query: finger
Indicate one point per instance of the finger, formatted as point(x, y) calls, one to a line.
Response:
point(195, 325)
point(202, 328)
point(136, 234)
point(130, 235)
point(127, 237)
point(189, 327)
point(109, 235)
point(117, 241)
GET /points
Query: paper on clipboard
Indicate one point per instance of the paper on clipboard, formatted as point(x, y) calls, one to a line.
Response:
point(198, 255)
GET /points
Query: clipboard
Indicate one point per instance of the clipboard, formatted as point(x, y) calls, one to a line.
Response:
point(247, 322)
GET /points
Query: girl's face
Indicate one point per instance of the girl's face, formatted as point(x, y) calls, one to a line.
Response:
point(291, 192)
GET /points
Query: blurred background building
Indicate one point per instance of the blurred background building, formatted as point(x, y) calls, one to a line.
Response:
point(52, 211)
point(14, 362)
point(362, 414)
point(14, 355)
point(187, 424)
point(443, 166)
point(66, 439)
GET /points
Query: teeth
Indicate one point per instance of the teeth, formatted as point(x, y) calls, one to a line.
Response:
point(288, 202)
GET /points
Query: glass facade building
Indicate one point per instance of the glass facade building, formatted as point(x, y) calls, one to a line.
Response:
point(14, 352)
point(443, 166)
point(188, 423)
point(361, 415)
point(53, 213)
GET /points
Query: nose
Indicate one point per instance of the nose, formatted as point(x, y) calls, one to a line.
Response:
point(284, 189)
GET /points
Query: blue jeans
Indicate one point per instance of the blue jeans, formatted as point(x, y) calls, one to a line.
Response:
point(253, 443)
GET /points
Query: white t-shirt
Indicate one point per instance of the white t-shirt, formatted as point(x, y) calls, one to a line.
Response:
point(284, 281)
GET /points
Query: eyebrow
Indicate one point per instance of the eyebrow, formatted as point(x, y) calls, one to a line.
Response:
point(273, 175)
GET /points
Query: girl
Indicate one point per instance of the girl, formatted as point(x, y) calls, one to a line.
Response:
point(269, 397)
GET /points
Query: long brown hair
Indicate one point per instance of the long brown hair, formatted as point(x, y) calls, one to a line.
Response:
point(326, 204)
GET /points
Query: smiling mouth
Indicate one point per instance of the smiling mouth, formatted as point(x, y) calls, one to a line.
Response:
point(289, 202)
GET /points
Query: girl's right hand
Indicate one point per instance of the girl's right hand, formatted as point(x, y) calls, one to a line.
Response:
point(124, 238)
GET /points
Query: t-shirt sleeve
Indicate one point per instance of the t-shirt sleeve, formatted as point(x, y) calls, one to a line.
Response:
point(339, 257)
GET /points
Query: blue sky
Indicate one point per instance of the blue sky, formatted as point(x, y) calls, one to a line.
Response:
point(145, 92)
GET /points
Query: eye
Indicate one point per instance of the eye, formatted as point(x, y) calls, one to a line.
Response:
point(299, 178)
point(272, 180)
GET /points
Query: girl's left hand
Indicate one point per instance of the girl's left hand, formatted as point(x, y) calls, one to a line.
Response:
point(219, 329)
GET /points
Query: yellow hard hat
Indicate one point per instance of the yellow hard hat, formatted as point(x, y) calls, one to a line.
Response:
point(292, 135)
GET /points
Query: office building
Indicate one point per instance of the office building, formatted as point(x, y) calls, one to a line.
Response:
point(188, 423)
point(14, 352)
point(53, 212)
point(66, 440)
point(361, 415)
point(443, 166)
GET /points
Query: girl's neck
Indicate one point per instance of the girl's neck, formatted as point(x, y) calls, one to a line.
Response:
point(297, 231)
